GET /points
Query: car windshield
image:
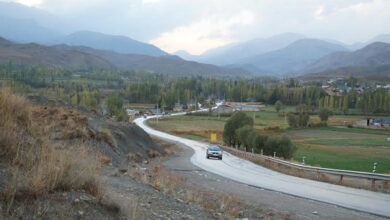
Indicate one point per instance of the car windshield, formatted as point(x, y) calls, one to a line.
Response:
point(214, 149)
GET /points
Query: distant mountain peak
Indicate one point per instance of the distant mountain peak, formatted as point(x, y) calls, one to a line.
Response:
point(120, 44)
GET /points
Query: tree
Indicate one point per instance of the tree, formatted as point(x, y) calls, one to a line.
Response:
point(282, 146)
point(258, 142)
point(122, 116)
point(298, 120)
point(303, 120)
point(278, 106)
point(236, 121)
point(292, 120)
point(286, 148)
point(324, 115)
point(114, 104)
point(243, 135)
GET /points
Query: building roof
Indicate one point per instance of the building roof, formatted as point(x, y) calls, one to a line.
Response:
point(248, 106)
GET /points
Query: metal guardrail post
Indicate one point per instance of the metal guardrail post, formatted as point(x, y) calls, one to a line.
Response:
point(274, 154)
point(304, 160)
point(374, 168)
point(261, 152)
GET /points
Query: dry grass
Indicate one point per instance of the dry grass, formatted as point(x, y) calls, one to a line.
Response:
point(106, 136)
point(38, 166)
point(165, 181)
point(152, 153)
point(105, 160)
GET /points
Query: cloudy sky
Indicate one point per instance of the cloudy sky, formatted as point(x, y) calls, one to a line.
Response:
point(199, 25)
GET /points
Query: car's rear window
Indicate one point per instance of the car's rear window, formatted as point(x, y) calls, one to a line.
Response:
point(214, 148)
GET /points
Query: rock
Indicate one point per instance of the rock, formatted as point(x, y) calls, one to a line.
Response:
point(85, 197)
point(145, 162)
point(315, 213)
point(123, 170)
point(81, 213)
point(76, 200)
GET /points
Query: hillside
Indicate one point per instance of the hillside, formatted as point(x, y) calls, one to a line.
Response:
point(35, 54)
point(83, 58)
point(164, 64)
point(119, 44)
point(293, 57)
point(371, 56)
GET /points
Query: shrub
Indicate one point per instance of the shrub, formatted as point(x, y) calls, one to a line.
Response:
point(282, 146)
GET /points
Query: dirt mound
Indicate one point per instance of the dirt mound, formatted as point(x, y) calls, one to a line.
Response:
point(119, 141)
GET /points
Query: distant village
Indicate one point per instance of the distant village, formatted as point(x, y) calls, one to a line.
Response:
point(338, 87)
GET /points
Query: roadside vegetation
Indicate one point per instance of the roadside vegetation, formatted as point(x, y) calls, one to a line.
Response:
point(36, 165)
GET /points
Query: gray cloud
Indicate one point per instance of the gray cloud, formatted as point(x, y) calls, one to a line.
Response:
point(163, 22)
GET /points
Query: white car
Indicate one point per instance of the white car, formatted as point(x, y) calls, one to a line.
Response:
point(214, 151)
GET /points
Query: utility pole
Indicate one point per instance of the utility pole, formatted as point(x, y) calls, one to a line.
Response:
point(157, 112)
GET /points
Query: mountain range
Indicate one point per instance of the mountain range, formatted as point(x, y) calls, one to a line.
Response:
point(375, 56)
point(119, 44)
point(230, 54)
point(287, 54)
point(292, 58)
point(85, 58)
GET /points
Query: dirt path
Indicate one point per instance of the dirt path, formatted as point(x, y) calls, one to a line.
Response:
point(294, 206)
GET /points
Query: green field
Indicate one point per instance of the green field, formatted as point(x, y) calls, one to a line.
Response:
point(332, 147)
point(343, 148)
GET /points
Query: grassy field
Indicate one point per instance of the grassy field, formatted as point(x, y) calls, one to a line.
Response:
point(332, 147)
point(343, 148)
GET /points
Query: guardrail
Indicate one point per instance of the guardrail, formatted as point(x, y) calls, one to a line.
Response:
point(342, 173)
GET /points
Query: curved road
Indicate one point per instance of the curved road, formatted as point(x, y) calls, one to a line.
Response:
point(249, 173)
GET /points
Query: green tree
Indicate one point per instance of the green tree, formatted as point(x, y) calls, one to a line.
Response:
point(278, 106)
point(236, 121)
point(122, 116)
point(292, 120)
point(243, 135)
point(286, 148)
point(324, 115)
point(258, 142)
point(114, 104)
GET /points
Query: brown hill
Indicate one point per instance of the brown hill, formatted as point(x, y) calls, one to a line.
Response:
point(35, 54)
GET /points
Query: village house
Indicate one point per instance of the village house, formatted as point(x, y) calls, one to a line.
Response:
point(132, 113)
point(248, 108)
point(178, 107)
point(224, 109)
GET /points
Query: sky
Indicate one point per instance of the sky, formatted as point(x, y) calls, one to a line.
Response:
point(199, 25)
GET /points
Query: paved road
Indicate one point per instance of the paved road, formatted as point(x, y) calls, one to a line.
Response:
point(243, 171)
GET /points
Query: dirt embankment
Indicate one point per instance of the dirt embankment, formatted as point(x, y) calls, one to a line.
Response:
point(62, 162)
